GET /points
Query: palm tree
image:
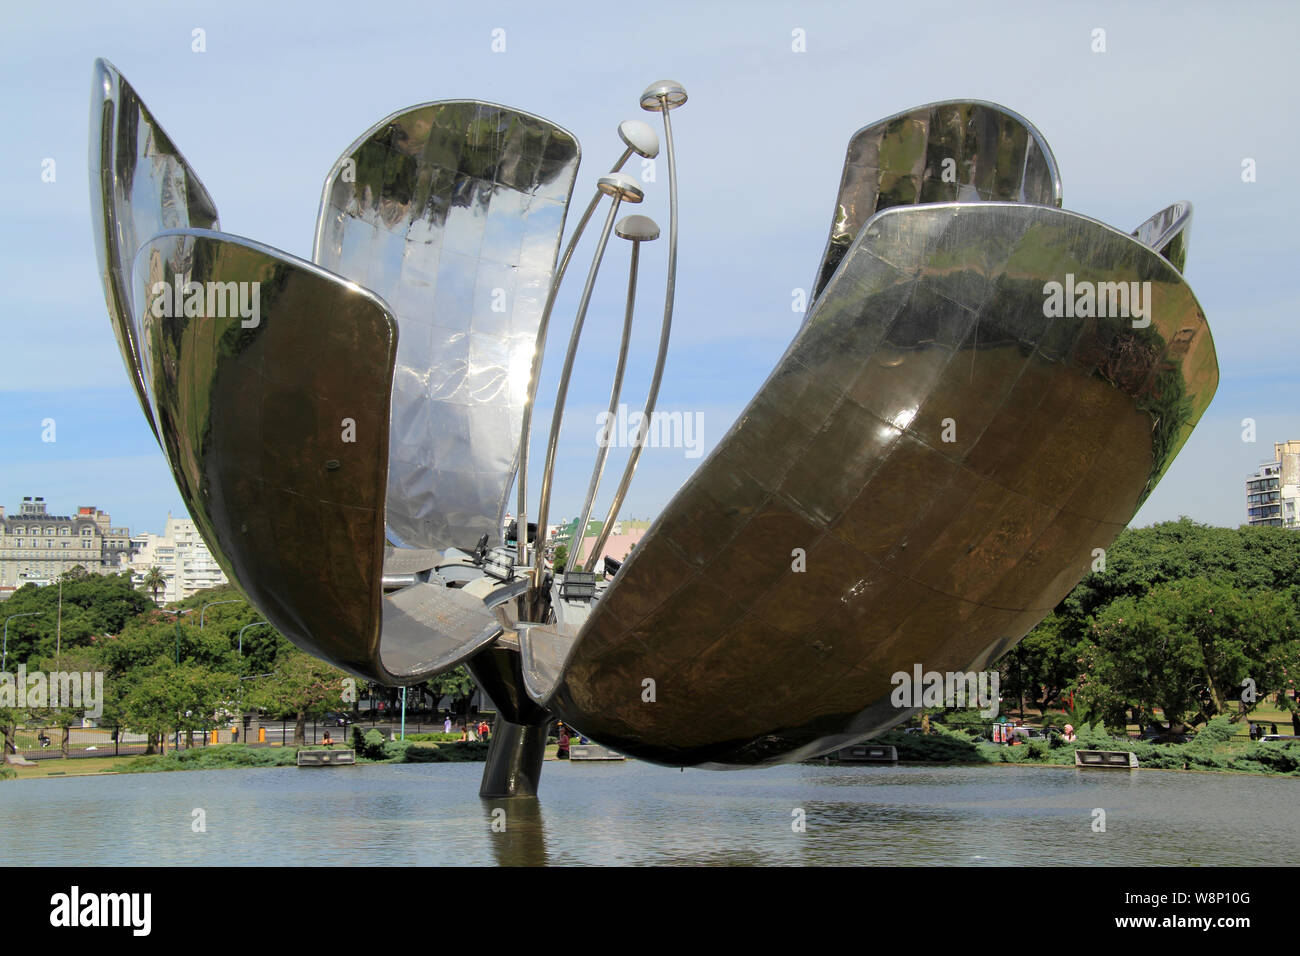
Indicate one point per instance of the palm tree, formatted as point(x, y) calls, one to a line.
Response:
point(154, 579)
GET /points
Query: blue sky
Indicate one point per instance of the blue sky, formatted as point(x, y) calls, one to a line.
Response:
point(1182, 94)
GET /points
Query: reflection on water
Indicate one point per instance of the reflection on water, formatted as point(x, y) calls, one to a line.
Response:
point(636, 813)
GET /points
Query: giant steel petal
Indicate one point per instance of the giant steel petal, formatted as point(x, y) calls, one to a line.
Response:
point(277, 430)
point(1168, 232)
point(452, 212)
point(140, 185)
point(945, 456)
point(952, 151)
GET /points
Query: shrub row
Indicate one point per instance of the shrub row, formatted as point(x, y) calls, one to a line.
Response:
point(1208, 750)
point(214, 758)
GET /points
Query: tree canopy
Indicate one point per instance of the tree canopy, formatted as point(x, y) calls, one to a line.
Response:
point(1179, 618)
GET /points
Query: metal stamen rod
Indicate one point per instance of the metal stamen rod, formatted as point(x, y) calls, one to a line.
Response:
point(641, 139)
point(622, 188)
point(636, 229)
point(660, 97)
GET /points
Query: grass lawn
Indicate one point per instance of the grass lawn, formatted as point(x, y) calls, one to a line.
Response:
point(81, 766)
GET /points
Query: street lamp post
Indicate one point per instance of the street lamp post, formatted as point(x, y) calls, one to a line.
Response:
point(179, 615)
point(241, 667)
point(5, 662)
point(214, 604)
point(177, 625)
point(241, 639)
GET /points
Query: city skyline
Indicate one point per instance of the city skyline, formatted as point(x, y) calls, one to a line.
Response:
point(39, 545)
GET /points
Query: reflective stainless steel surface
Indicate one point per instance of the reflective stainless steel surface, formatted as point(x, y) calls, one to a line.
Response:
point(661, 97)
point(140, 185)
point(429, 628)
point(514, 760)
point(1167, 232)
point(253, 417)
point(252, 420)
point(918, 549)
point(452, 212)
point(952, 151)
point(985, 390)
point(636, 229)
point(638, 138)
point(621, 188)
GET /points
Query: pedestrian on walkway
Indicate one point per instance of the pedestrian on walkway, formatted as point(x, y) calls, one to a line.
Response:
point(562, 749)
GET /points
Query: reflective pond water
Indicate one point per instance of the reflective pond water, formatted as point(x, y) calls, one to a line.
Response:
point(637, 813)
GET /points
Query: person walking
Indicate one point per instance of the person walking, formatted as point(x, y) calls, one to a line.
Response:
point(562, 749)
point(446, 725)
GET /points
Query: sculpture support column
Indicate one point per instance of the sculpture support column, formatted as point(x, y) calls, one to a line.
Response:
point(514, 761)
point(518, 745)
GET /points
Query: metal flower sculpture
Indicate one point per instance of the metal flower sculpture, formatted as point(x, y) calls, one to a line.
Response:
point(985, 389)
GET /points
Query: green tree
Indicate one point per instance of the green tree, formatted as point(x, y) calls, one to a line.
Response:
point(149, 642)
point(10, 718)
point(1186, 647)
point(1062, 653)
point(155, 581)
point(301, 687)
point(168, 696)
point(1045, 664)
point(79, 661)
point(93, 606)
point(456, 684)
point(153, 635)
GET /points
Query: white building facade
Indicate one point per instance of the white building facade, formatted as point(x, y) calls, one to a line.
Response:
point(180, 553)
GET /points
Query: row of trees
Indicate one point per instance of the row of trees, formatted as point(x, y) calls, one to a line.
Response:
point(164, 672)
point(1185, 619)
